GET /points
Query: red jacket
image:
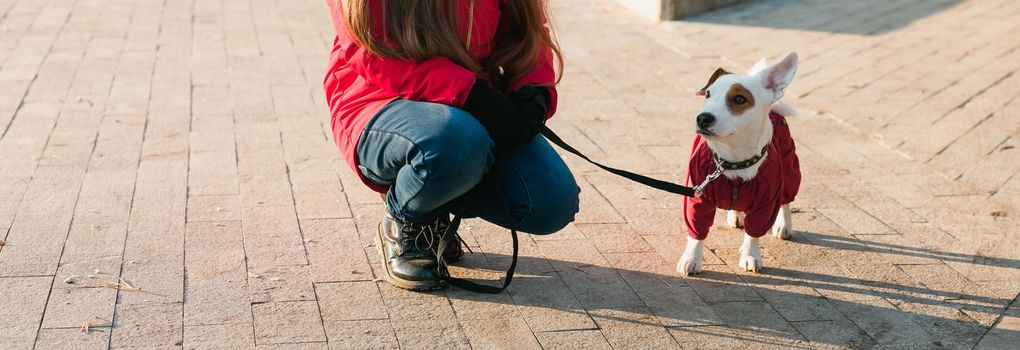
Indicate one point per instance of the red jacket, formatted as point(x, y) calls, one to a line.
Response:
point(358, 84)
point(760, 198)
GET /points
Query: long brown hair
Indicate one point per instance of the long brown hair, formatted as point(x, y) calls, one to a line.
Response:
point(422, 29)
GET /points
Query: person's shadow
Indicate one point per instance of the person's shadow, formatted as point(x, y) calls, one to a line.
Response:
point(787, 306)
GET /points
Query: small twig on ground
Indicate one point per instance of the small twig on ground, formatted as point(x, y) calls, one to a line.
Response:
point(2, 242)
point(126, 284)
point(122, 285)
point(114, 285)
point(85, 326)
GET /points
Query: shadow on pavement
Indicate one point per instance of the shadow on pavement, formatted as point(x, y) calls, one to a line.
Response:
point(863, 17)
point(781, 306)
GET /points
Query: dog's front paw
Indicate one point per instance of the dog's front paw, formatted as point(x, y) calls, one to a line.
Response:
point(690, 261)
point(783, 228)
point(735, 219)
point(750, 255)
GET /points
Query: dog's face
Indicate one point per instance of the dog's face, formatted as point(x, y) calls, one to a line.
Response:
point(733, 101)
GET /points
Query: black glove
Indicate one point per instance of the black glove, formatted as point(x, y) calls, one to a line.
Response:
point(497, 113)
point(532, 102)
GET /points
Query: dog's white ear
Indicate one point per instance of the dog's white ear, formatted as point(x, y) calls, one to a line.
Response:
point(758, 67)
point(778, 76)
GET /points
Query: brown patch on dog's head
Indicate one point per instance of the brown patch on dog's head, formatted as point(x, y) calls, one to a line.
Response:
point(718, 73)
point(739, 99)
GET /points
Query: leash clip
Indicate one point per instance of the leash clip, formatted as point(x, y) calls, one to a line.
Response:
point(698, 190)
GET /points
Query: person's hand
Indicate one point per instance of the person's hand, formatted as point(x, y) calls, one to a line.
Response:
point(532, 102)
point(498, 114)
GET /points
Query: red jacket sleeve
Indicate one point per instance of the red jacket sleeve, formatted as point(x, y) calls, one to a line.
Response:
point(437, 79)
point(699, 213)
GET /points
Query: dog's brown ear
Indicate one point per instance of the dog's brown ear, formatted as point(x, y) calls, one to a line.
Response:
point(718, 73)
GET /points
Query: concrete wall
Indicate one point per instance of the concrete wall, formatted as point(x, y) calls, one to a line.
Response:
point(664, 10)
point(683, 8)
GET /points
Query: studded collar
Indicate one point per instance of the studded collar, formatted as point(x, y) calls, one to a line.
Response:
point(744, 164)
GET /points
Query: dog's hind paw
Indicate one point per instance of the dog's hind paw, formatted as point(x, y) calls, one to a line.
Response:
point(783, 228)
point(782, 232)
point(735, 219)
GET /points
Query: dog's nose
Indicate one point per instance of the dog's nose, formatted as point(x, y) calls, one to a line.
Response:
point(705, 120)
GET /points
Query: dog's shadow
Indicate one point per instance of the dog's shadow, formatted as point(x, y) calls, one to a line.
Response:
point(862, 17)
point(784, 306)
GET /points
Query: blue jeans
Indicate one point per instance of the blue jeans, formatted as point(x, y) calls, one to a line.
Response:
point(430, 154)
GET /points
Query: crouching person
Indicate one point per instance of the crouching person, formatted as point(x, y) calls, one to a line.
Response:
point(425, 96)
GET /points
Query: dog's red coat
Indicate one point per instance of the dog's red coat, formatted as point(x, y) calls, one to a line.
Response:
point(760, 198)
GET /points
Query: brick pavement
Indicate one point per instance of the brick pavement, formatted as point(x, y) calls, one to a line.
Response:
point(172, 161)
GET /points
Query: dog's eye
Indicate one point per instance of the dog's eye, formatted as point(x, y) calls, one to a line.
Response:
point(739, 99)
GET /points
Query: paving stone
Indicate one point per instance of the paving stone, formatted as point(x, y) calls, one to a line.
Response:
point(21, 316)
point(577, 339)
point(475, 306)
point(213, 208)
point(287, 322)
point(855, 221)
point(73, 338)
point(719, 284)
point(587, 274)
point(147, 325)
point(36, 236)
point(361, 334)
point(881, 320)
point(1005, 333)
point(711, 337)
point(446, 334)
point(218, 335)
point(94, 243)
point(667, 296)
point(334, 250)
point(757, 322)
point(796, 301)
point(350, 301)
point(500, 333)
point(425, 307)
point(839, 333)
point(269, 220)
point(633, 328)
point(295, 346)
point(72, 303)
point(945, 322)
point(548, 305)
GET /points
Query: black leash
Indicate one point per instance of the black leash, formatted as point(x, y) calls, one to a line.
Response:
point(497, 174)
point(641, 179)
point(494, 179)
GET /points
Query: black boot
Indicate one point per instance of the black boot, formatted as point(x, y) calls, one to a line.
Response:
point(409, 252)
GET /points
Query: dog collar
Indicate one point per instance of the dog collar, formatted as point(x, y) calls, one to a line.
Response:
point(744, 164)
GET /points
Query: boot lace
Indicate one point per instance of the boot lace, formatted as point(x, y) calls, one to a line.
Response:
point(427, 237)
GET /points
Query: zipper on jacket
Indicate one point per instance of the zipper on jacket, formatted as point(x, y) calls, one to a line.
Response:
point(733, 196)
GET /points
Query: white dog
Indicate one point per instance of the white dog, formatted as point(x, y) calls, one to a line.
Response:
point(743, 160)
